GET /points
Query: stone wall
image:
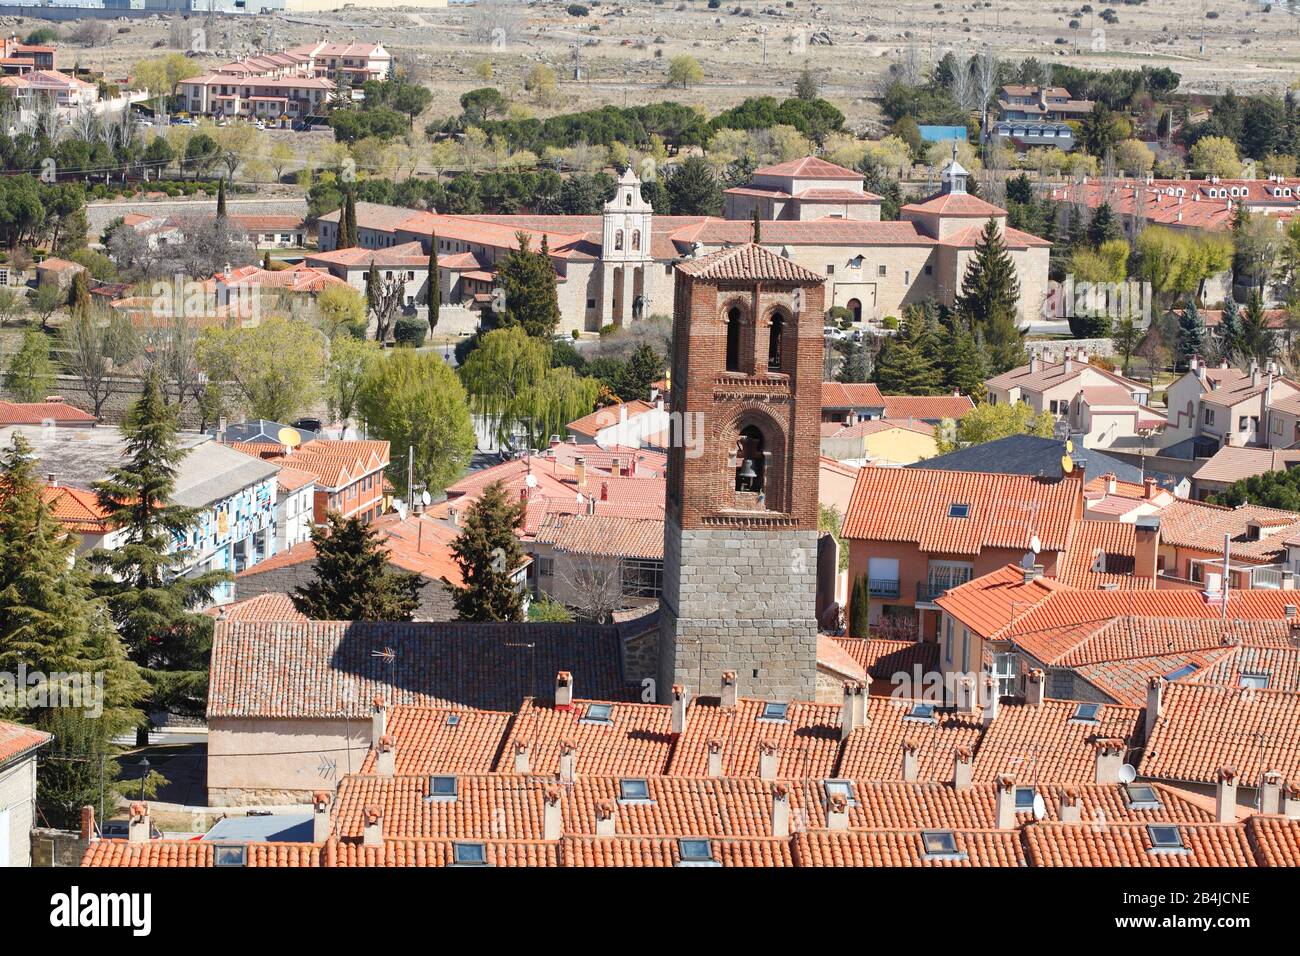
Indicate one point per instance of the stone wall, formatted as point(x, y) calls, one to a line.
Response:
point(70, 388)
point(739, 600)
point(18, 799)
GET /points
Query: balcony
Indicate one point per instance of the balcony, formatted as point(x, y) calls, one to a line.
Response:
point(939, 583)
point(883, 588)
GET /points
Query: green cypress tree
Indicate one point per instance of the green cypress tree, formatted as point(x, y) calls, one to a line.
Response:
point(150, 598)
point(488, 553)
point(79, 294)
point(860, 608)
point(354, 580)
point(434, 293)
point(856, 364)
point(372, 287)
point(902, 369)
point(965, 365)
point(221, 199)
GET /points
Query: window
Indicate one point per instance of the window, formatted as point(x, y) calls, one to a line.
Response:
point(546, 567)
point(591, 303)
point(1243, 423)
point(1257, 680)
point(618, 240)
point(1141, 796)
point(1181, 672)
point(1209, 416)
point(469, 854)
point(940, 845)
point(947, 639)
point(453, 720)
point(965, 649)
point(749, 460)
point(774, 710)
point(1025, 798)
point(230, 855)
point(1165, 838)
point(921, 712)
point(597, 714)
point(442, 789)
point(696, 853)
point(733, 340)
point(839, 788)
point(1006, 672)
point(633, 790)
point(1085, 714)
point(958, 511)
point(642, 578)
point(636, 240)
point(881, 271)
point(774, 343)
point(929, 270)
point(830, 270)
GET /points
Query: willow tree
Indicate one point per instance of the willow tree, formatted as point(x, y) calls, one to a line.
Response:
point(507, 364)
point(547, 407)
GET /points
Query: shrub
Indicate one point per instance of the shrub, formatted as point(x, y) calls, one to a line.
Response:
point(410, 331)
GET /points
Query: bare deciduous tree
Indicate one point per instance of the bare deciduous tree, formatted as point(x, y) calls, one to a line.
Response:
point(595, 588)
point(390, 296)
point(94, 347)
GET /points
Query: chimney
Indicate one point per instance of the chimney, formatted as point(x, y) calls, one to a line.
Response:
point(1146, 555)
point(552, 813)
point(1288, 580)
point(386, 759)
point(680, 698)
point(320, 816)
point(1005, 801)
point(965, 691)
point(52, 480)
point(1071, 812)
point(1291, 801)
point(1033, 364)
point(1033, 574)
point(88, 824)
point(1150, 488)
point(911, 770)
point(1035, 681)
point(837, 812)
point(769, 758)
point(851, 710)
point(729, 690)
point(373, 835)
point(1109, 758)
point(1289, 612)
point(378, 719)
point(568, 762)
point(138, 828)
point(714, 747)
point(780, 810)
point(991, 700)
point(580, 472)
point(616, 466)
point(1067, 364)
point(1155, 689)
point(221, 428)
point(606, 814)
point(1112, 483)
point(1270, 793)
point(563, 690)
point(961, 768)
point(1225, 796)
point(604, 491)
point(523, 756)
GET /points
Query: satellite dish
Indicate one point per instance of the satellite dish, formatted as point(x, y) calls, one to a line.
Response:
point(1067, 464)
point(1127, 773)
point(1040, 806)
point(530, 480)
point(1027, 562)
point(289, 437)
point(425, 498)
point(1035, 545)
point(1069, 447)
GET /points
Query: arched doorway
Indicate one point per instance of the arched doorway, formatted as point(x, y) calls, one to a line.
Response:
point(855, 306)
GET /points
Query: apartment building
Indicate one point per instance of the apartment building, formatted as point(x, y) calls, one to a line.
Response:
point(1209, 408)
point(1021, 102)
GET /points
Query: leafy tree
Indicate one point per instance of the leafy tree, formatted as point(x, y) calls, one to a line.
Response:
point(433, 290)
point(149, 597)
point(830, 521)
point(1104, 227)
point(965, 364)
point(558, 398)
point(414, 399)
point(903, 369)
point(276, 366)
point(987, 304)
point(1126, 337)
point(507, 363)
point(488, 554)
point(856, 364)
point(350, 360)
point(544, 609)
point(1258, 341)
point(354, 579)
point(1216, 156)
point(93, 347)
point(342, 310)
point(526, 290)
point(684, 70)
point(1272, 489)
point(985, 423)
point(30, 373)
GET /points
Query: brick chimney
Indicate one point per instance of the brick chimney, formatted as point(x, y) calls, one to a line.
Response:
point(961, 768)
point(139, 828)
point(580, 472)
point(378, 719)
point(616, 466)
point(1225, 795)
point(606, 817)
point(552, 813)
point(729, 690)
point(769, 759)
point(837, 812)
point(1146, 557)
point(1035, 682)
point(1270, 793)
point(373, 834)
point(88, 834)
point(563, 690)
point(991, 701)
point(1155, 690)
point(320, 816)
point(568, 762)
point(1071, 811)
point(1109, 757)
point(714, 748)
point(386, 757)
point(1150, 488)
point(523, 756)
point(780, 810)
point(850, 711)
point(680, 700)
point(1112, 482)
point(1005, 802)
point(911, 761)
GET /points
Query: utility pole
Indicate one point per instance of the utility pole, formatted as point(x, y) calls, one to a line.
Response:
point(410, 472)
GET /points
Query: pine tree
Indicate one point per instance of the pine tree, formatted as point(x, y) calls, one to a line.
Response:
point(1258, 341)
point(965, 365)
point(1229, 337)
point(434, 283)
point(266, 261)
point(644, 368)
point(1191, 334)
point(149, 596)
point(860, 608)
point(221, 199)
point(1104, 226)
point(693, 189)
point(30, 375)
point(990, 293)
point(488, 554)
point(902, 369)
point(856, 366)
point(526, 280)
point(354, 580)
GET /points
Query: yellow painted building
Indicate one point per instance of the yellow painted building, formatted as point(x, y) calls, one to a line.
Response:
point(881, 441)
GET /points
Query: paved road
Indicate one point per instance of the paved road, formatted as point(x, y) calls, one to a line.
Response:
point(100, 214)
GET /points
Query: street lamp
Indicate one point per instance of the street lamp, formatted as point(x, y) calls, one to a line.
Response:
point(144, 774)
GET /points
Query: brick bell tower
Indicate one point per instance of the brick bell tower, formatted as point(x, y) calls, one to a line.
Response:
point(740, 529)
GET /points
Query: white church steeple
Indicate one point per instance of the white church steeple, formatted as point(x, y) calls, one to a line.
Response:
point(626, 234)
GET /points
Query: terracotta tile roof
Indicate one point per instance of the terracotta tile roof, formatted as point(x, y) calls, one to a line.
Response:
point(1005, 511)
point(417, 852)
point(1194, 524)
point(972, 236)
point(335, 463)
point(928, 408)
point(884, 658)
point(852, 395)
point(443, 740)
point(1275, 839)
point(874, 426)
point(1045, 744)
point(749, 262)
point(875, 751)
point(664, 851)
point(36, 413)
point(195, 854)
point(610, 415)
point(18, 741)
point(824, 231)
point(808, 167)
point(833, 658)
point(332, 668)
point(955, 204)
point(636, 741)
point(77, 509)
point(1232, 463)
point(990, 605)
point(1101, 552)
point(487, 806)
point(1125, 681)
point(1129, 844)
point(1041, 375)
point(609, 535)
point(808, 741)
point(292, 479)
point(271, 606)
point(1202, 728)
point(1129, 637)
point(1281, 664)
point(891, 848)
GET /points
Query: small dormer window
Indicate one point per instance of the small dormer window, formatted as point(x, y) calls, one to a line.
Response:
point(1256, 680)
point(839, 788)
point(956, 510)
point(469, 854)
point(597, 714)
point(774, 710)
point(1141, 796)
point(232, 855)
point(695, 852)
point(1185, 671)
point(1025, 798)
point(634, 790)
